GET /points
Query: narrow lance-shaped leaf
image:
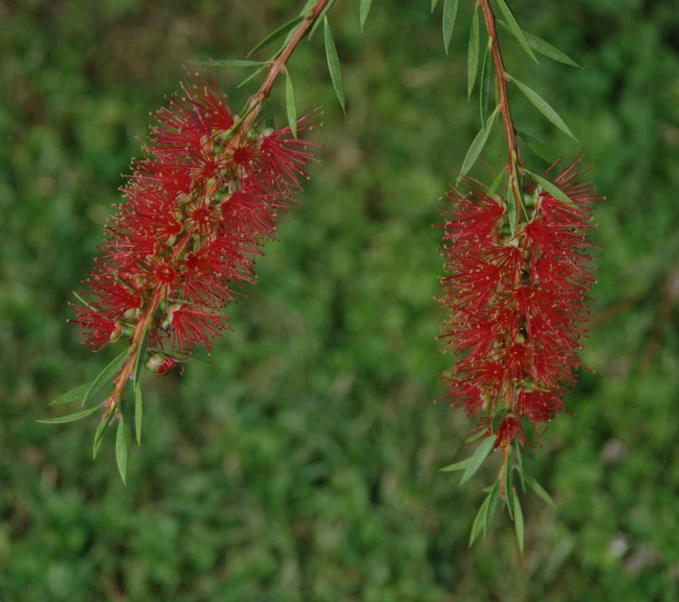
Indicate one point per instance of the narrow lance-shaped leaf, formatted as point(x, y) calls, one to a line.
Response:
point(486, 73)
point(73, 395)
point(478, 144)
point(290, 104)
point(541, 492)
point(461, 465)
point(514, 27)
point(239, 64)
point(277, 33)
point(493, 498)
point(522, 198)
point(334, 64)
point(433, 4)
point(138, 412)
point(251, 76)
point(122, 450)
point(321, 18)
point(269, 117)
point(479, 522)
point(107, 374)
point(303, 13)
point(544, 107)
point(518, 521)
point(449, 15)
point(545, 48)
point(473, 53)
point(509, 491)
point(364, 10)
point(519, 467)
point(139, 361)
point(478, 458)
point(538, 148)
point(99, 435)
point(496, 183)
point(70, 417)
point(511, 207)
point(555, 191)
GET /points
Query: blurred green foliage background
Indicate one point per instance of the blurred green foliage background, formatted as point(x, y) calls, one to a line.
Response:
point(302, 465)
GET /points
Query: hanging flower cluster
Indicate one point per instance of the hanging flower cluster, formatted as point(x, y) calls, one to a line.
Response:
point(200, 204)
point(517, 303)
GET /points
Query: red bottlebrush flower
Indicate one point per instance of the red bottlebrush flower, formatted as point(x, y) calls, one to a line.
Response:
point(510, 430)
point(199, 206)
point(516, 301)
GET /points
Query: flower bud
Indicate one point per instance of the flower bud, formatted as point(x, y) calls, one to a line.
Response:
point(183, 198)
point(155, 362)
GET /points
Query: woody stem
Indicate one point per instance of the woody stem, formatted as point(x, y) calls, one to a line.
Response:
point(145, 322)
point(502, 79)
point(278, 66)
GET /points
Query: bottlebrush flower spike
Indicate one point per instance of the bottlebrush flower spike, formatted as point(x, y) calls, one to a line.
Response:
point(516, 303)
point(199, 206)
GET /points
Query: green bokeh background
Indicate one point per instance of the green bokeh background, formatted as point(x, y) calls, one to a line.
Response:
point(302, 465)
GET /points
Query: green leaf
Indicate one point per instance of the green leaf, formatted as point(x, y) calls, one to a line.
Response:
point(239, 64)
point(509, 492)
point(433, 4)
point(541, 492)
point(364, 10)
point(122, 450)
point(511, 208)
point(538, 148)
point(486, 72)
point(70, 417)
point(457, 466)
point(269, 119)
point(478, 144)
point(519, 466)
point(544, 108)
point(290, 104)
point(73, 395)
point(139, 361)
point(514, 27)
point(493, 497)
point(479, 522)
point(99, 435)
point(478, 458)
point(334, 64)
point(496, 183)
point(251, 76)
point(449, 15)
point(321, 17)
point(518, 521)
point(106, 375)
point(138, 412)
point(555, 191)
point(522, 198)
point(277, 33)
point(473, 53)
point(545, 48)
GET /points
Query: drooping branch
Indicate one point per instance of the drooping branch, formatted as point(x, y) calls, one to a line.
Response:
point(278, 66)
point(502, 78)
